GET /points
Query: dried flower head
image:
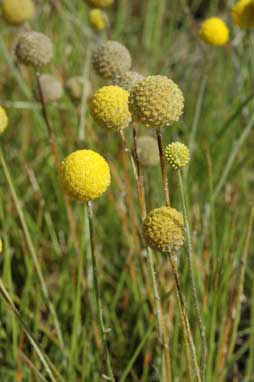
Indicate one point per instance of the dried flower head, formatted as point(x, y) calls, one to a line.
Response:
point(98, 19)
point(84, 175)
point(156, 101)
point(34, 48)
point(243, 14)
point(126, 80)
point(109, 107)
point(100, 3)
point(51, 87)
point(163, 229)
point(3, 120)
point(17, 12)
point(74, 87)
point(177, 155)
point(214, 31)
point(148, 151)
point(111, 58)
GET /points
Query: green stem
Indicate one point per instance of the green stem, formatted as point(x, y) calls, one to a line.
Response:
point(193, 284)
point(103, 330)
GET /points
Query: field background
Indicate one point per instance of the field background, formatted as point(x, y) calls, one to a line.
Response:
point(217, 126)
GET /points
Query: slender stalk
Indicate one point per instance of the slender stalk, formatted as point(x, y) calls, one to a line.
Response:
point(163, 168)
point(32, 249)
point(103, 330)
point(185, 323)
point(193, 285)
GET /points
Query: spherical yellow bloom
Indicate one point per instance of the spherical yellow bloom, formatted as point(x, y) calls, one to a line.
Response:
point(3, 120)
point(214, 31)
point(34, 48)
point(100, 3)
point(163, 229)
point(17, 12)
point(98, 19)
point(177, 155)
point(111, 58)
point(156, 101)
point(148, 151)
point(84, 175)
point(1, 246)
point(243, 14)
point(109, 108)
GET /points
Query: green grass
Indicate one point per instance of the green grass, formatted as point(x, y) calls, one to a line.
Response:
point(50, 280)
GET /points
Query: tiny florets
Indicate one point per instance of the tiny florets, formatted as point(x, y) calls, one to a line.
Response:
point(34, 48)
point(17, 12)
point(98, 19)
point(3, 120)
point(74, 87)
point(109, 107)
point(177, 155)
point(163, 230)
point(214, 31)
point(126, 80)
point(84, 175)
point(51, 87)
point(111, 58)
point(156, 101)
point(148, 151)
point(100, 3)
point(243, 14)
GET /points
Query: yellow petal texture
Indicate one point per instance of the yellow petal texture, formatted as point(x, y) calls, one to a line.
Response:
point(109, 107)
point(156, 101)
point(243, 14)
point(84, 175)
point(214, 31)
point(98, 19)
point(3, 120)
point(177, 155)
point(163, 230)
point(17, 12)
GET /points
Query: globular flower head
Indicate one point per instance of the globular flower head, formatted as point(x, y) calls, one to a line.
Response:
point(1, 246)
point(177, 155)
point(163, 230)
point(148, 151)
point(111, 58)
point(3, 120)
point(34, 48)
point(84, 175)
point(51, 87)
point(98, 19)
point(214, 31)
point(156, 101)
point(17, 12)
point(109, 108)
point(74, 87)
point(126, 80)
point(243, 14)
point(100, 3)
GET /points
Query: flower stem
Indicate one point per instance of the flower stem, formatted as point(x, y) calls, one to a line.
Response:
point(103, 330)
point(193, 285)
point(163, 168)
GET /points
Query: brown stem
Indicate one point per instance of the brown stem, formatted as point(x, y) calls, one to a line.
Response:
point(163, 168)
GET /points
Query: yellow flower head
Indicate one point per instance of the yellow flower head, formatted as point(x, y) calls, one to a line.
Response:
point(243, 14)
point(163, 230)
point(111, 58)
point(214, 31)
point(34, 48)
point(156, 101)
point(17, 12)
point(100, 3)
point(3, 120)
point(177, 155)
point(109, 107)
point(98, 19)
point(1, 246)
point(84, 175)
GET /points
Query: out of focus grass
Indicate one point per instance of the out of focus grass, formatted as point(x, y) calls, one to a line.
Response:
point(218, 87)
